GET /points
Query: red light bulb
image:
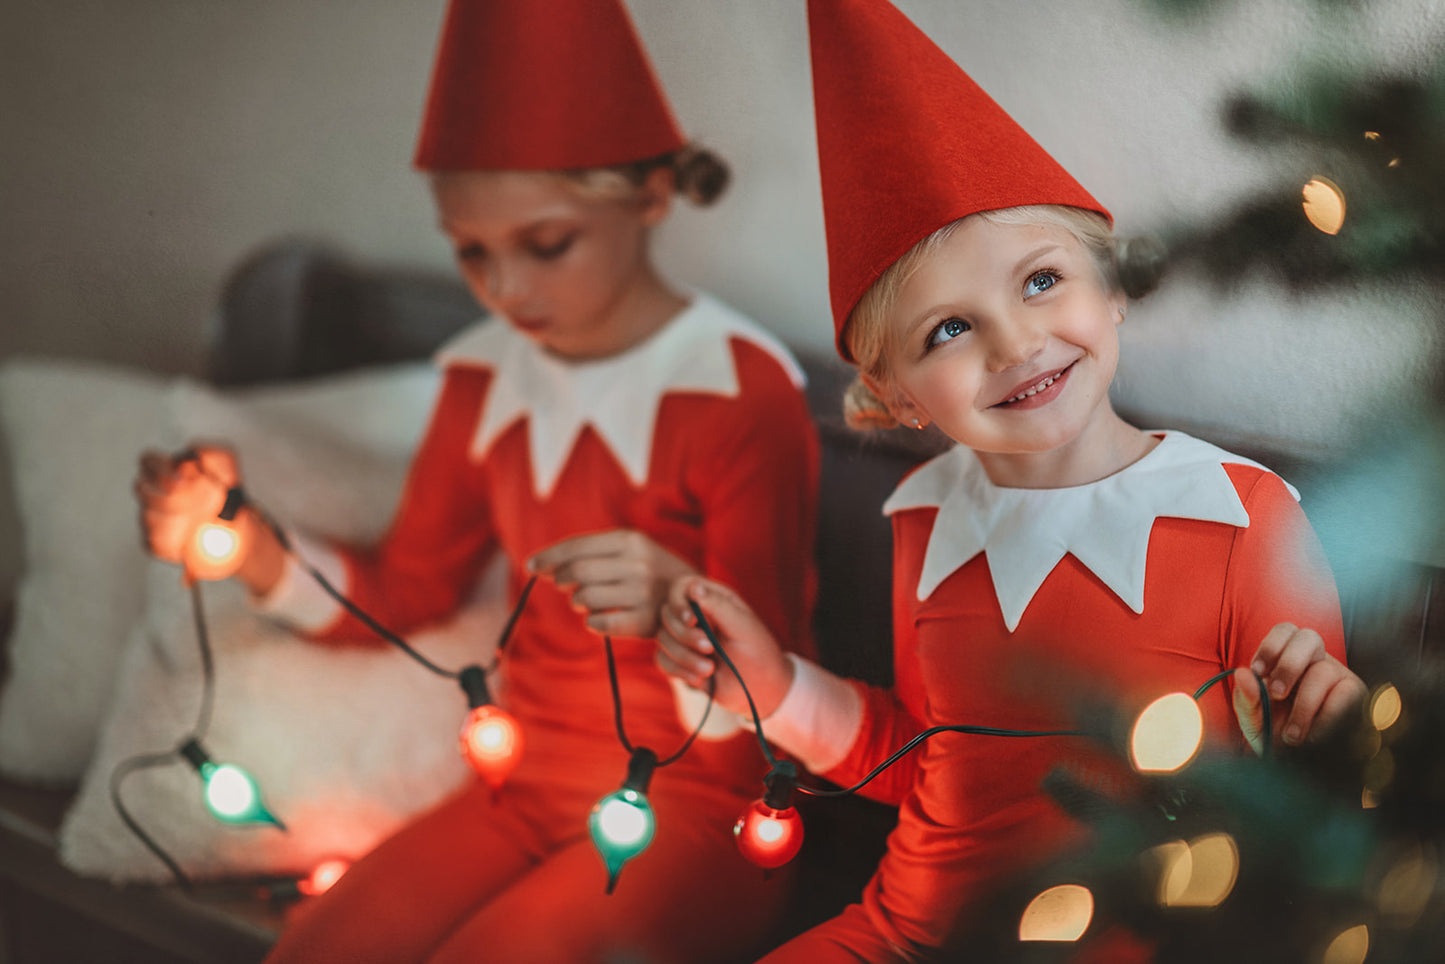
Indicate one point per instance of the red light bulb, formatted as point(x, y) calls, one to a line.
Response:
point(769, 837)
point(326, 873)
point(491, 742)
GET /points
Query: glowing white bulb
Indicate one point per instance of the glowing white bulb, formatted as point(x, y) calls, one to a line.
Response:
point(770, 831)
point(230, 792)
point(622, 822)
point(217, 542)
point(492, 736)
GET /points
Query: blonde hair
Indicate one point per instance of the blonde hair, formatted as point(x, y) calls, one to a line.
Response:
point(700, 175)
point(868, 335)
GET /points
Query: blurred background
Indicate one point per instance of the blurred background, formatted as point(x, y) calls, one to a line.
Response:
point(146, 147)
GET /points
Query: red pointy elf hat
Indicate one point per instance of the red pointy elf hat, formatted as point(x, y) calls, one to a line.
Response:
point(907, 143)
point(542, 85)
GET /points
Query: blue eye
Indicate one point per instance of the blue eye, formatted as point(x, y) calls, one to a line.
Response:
point(1039, 282)
point(947, 331)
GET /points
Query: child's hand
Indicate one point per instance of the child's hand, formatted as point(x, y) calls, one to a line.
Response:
point(1316, 689)
point(621, 578)
point(176, 495)
point(684, 651)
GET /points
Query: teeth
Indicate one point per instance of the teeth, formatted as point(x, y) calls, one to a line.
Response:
point(1035, 390)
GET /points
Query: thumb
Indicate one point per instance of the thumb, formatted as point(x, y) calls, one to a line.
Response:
point(724, 609)
point(1249, 709)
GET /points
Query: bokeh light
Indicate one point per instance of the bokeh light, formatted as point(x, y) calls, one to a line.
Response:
point(1061, 913)
point(1324, 205)
point(1167, 734)
point(326, 873)
point(1200, 873)
point(1349, 946)
point(1385, 707)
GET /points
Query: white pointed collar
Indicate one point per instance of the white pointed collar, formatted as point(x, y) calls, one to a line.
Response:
point(1104, 524)
point(618, 396)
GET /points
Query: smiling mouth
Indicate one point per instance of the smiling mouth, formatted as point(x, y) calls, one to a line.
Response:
point(1041, 385)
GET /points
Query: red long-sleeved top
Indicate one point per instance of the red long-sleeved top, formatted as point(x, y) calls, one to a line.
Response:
point(971, 809)
point(730, 488)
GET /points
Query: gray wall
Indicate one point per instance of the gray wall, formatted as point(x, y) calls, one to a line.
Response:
point(146, 145)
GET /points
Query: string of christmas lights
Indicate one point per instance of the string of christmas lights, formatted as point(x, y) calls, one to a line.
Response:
point(770, 831)
point(622, 823)
point(231, 794)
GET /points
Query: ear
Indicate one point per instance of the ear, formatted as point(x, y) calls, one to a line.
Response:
point(656, 194)
point(1119, 304)
point(903, 409)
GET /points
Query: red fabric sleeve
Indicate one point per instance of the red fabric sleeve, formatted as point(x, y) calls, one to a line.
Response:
point(442, 533)
point(1277, 573)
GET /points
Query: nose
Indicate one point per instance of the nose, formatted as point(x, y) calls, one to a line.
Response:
point(1014, 342)
point(505, 284)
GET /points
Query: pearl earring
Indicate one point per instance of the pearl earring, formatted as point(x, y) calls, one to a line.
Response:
point(917, 424)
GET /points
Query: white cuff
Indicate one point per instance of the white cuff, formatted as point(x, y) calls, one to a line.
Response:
point(691, 704)
point(296, 598)
point(818, 719)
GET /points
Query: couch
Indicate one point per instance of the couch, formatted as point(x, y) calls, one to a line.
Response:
point(299, 309)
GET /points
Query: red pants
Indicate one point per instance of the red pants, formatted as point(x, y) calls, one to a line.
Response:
point(849, 938)
point(516, 880)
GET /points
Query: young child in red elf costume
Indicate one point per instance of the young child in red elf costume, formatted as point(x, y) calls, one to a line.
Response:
point(607, 433)
point(973, 287)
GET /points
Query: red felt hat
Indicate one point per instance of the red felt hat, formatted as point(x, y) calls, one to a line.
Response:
point(907, 143)
point(542, 85)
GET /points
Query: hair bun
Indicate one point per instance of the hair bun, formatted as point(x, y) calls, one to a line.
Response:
point(1140, 263)
point(701, 175)
point(864, 410)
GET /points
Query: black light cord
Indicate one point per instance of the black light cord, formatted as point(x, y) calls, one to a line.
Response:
point(706, 627)
point(370, 622)
point(117, 776)
point(144, 761)
point(208, 665)
point(617, 710)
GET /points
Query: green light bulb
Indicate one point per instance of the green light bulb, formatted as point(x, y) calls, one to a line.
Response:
point(622, 823)
point(231, 794)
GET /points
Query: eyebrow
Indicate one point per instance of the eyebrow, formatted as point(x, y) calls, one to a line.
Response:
point(1038, 252)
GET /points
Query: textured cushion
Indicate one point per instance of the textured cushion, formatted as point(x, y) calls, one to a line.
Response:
point(347, 741)
point(73, 432)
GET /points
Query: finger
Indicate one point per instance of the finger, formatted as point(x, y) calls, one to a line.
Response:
point(1305, 647)
point(578, 547)
point(1309, 695)
point(1249, 708)
point(218, 462)
point(601, 597)
point(682, 662)
point(1327, 691)
point(1264, 658)
point(1342, 701)
point(724, 609)
point(623, 622)
point(684, 652)
point(679, 630)
point(696, 679)
point(598, 570)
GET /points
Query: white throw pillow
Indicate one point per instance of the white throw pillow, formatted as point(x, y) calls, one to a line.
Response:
point(346, 742)
point(328, 456)
point(73, 432)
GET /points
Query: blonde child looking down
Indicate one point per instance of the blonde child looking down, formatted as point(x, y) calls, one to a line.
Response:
point(604, 432)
